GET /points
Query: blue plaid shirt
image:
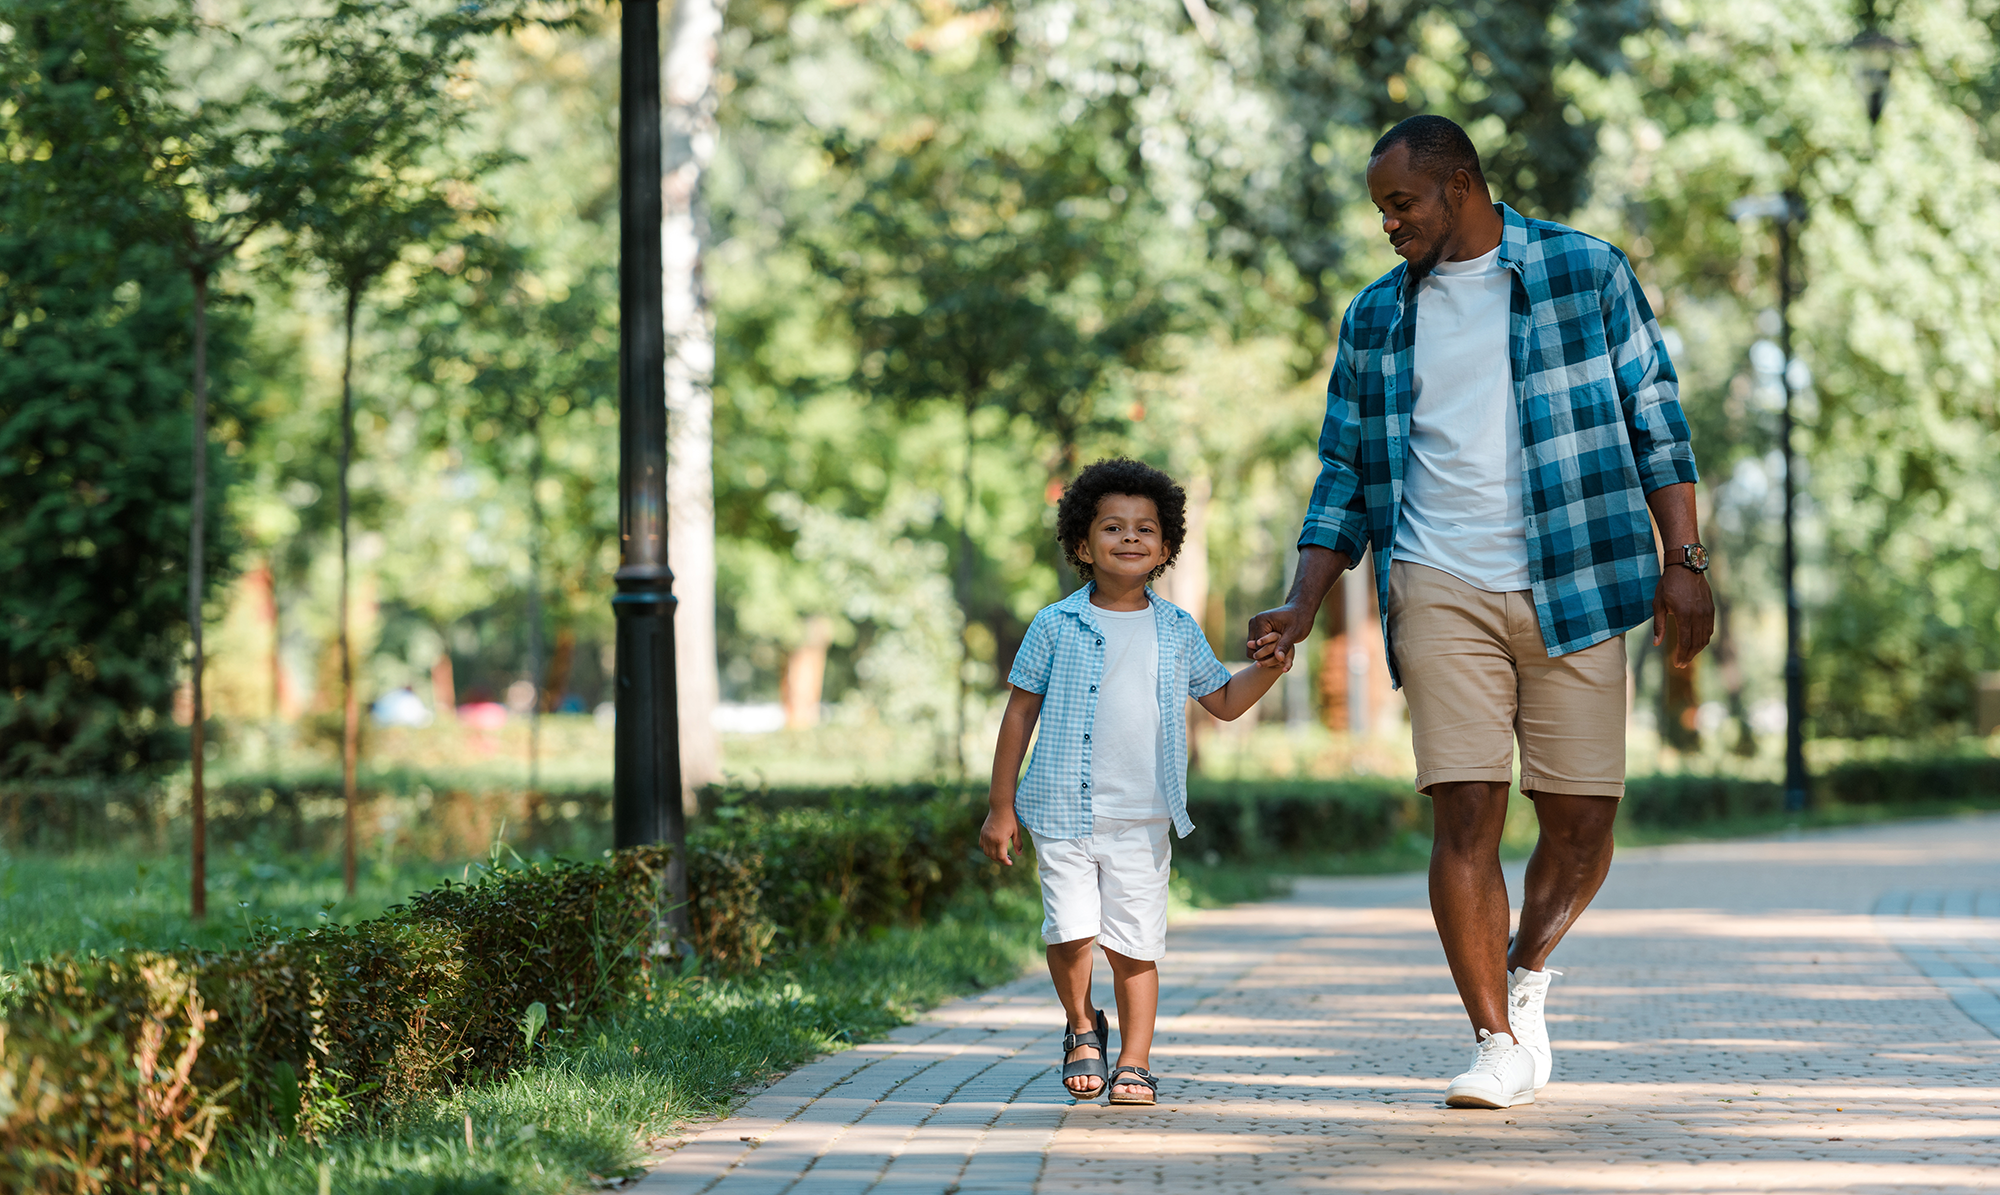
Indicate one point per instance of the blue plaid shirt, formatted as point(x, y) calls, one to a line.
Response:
point(1601, 427)
point(1062, 658)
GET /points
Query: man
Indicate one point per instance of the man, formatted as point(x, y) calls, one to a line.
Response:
point(1501, 417)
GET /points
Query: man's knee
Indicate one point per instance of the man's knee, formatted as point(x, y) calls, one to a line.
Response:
point(1581, 824)
point(1468, 815)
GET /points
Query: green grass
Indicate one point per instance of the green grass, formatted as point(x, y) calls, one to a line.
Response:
point(98, 902)
point(580, 1114)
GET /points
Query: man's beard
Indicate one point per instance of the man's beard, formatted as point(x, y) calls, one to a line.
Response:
point(1421, 268)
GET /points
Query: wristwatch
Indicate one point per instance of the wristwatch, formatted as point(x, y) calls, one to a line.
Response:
point(1694, 558)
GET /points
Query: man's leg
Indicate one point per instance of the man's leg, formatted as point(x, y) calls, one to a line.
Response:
point(1136, 983)
point(1469, 895)
point(1571, 859)
point(1069, 967)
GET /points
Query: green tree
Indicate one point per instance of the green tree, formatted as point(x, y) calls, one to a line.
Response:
point(384, 125)
point(94, 341)
point(506, 373)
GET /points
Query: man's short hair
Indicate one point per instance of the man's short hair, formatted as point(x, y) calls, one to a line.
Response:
point(1121, 475)
point(1437, 147)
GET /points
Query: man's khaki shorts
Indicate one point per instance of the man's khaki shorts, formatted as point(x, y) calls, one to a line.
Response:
point(1477, 676)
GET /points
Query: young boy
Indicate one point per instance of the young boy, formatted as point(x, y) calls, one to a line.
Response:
point(1111, 666)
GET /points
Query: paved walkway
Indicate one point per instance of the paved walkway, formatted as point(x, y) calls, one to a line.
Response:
point(1809, 1014)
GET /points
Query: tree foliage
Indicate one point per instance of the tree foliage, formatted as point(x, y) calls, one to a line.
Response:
point(94, 346)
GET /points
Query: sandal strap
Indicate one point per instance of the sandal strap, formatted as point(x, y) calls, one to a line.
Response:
point(1144, 1076)
point(1088, 1039)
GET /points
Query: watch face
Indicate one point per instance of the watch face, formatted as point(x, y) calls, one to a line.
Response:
point(1696, 557)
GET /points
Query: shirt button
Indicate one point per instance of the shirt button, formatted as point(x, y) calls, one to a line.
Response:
point(1100, 643)
point(1086, 738)
point(1093, 688)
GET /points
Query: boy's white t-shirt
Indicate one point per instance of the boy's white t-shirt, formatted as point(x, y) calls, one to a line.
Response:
point(1125, 737)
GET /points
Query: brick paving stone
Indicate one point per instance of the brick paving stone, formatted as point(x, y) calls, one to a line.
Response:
point(1816, 1013)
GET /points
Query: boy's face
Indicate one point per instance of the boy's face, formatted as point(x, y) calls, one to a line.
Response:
point(1125, 539)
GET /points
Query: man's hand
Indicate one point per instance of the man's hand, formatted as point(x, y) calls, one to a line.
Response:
point(1274, 634)
point(1273, 657)
point(1000, 831)
point(1683, 596)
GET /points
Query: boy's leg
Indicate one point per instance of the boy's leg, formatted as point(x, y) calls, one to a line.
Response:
point(1069, 967)
point(1136, 860)
point(1136, 984)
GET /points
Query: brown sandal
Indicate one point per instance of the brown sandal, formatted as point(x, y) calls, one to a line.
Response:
point(1142, 1076)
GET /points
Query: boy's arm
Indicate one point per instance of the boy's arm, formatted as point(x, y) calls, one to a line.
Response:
point(1234, 699)
point(1002, 829)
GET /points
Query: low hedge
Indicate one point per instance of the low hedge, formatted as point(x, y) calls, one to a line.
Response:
point(778, 870)
point(117, 1071)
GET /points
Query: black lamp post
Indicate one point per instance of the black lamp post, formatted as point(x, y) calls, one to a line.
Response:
point(646, 789)
point(1874, 53)
point(1787, 211)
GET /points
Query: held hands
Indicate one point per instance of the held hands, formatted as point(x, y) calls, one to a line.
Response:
point(1271, 652)
point(1683, 596)
point(1275, 634)
point(1000, 831)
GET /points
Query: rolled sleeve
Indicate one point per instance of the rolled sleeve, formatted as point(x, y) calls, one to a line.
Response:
point(1648, 390)
point(1337, 516)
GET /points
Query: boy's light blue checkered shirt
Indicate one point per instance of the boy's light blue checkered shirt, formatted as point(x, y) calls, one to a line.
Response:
point(1062, 658)
point(1601, 427)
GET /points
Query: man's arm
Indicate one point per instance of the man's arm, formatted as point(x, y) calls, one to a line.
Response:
point(1683, 593)
point(1319, 568)
point(1002, 828)
point(1336, 519)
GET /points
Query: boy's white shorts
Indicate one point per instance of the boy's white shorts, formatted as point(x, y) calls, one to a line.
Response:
point(1111, 886)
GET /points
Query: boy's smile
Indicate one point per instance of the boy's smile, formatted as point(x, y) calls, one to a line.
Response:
point(1125, 542)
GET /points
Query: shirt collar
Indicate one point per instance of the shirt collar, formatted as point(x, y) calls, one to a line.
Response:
point(1513, 238)
point(1078, 602)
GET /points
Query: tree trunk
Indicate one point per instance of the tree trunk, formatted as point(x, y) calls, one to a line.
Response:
point(197, 548)
point(688, 137)
point(964, 588)
point(534, 602)
point(350, 708)
point(804, 682)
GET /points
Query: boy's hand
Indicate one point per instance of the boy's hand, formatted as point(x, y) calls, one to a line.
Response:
point(1281, 659)
point(999, 832)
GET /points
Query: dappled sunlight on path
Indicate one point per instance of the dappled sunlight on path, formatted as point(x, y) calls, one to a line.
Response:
point(1734, 1016)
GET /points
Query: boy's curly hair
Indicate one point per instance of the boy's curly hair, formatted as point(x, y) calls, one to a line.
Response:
point(1078, 509)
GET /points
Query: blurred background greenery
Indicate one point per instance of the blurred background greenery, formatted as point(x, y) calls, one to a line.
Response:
point(953, 250)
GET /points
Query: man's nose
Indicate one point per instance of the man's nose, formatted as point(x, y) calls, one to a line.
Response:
point(1390, 223)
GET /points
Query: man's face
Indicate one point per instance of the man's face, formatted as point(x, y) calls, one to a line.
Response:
point(1419, 213)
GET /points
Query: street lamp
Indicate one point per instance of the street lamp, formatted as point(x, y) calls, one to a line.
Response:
point(1874, 54)
point(1787, 211)
point(646, 784)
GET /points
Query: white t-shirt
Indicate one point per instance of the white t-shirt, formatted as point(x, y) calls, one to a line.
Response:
point(1462, 480)
point(1125, 738)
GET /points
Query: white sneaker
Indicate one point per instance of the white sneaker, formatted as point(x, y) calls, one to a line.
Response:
point(1527, 991)
point(1502, 1075)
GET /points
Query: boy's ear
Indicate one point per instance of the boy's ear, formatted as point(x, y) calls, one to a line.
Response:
point(1081, 550)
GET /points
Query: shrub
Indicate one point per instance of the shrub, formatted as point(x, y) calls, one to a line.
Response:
point(785, 869)
point(114, 1072)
